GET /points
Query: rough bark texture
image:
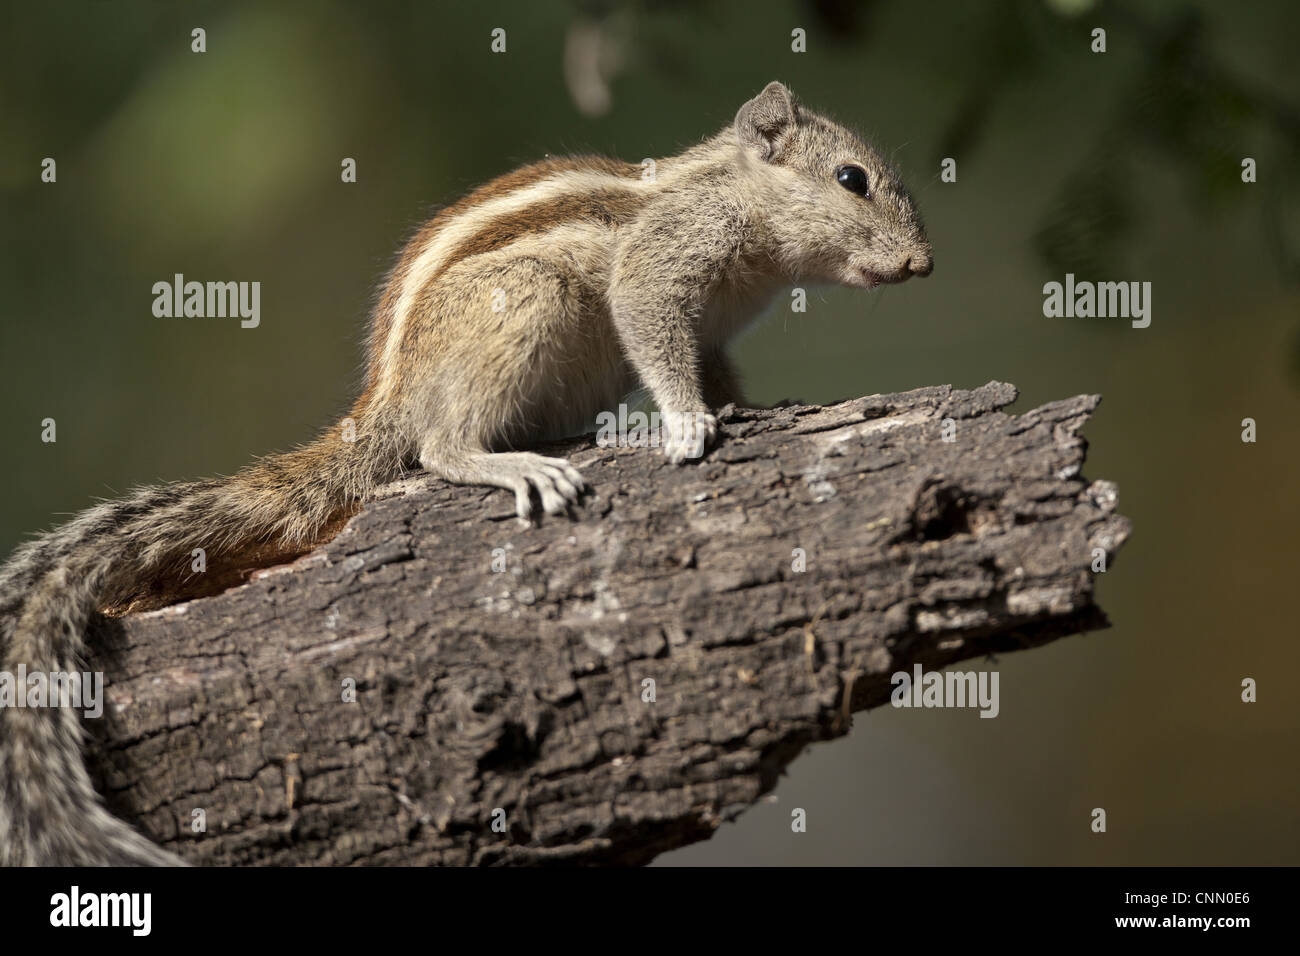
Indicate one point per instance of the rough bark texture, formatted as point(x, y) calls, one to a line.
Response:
point(525, 689)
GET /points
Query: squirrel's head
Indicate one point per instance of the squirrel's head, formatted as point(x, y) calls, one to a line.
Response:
point(839, 211)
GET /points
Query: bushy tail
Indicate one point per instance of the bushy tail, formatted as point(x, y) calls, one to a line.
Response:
point(50, 814)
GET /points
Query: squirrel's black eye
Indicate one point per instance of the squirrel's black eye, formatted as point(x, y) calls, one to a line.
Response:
point(854, 179)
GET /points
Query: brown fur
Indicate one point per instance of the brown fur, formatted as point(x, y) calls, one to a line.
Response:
point(608, 209)
point(507, 183)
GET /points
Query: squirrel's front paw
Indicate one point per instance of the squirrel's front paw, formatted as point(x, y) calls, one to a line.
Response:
point(687, 434)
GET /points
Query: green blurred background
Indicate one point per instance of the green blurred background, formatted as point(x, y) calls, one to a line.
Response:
point(1124, 165)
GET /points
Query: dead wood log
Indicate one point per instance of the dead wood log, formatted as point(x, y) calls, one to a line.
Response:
point(520, 695)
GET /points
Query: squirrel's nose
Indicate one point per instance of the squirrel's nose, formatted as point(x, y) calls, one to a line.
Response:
point(918, 264)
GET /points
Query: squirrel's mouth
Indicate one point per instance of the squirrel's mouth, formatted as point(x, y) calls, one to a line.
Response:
point(869, 279)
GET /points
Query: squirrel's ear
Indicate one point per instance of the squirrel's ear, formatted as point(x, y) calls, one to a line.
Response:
point(763, 122)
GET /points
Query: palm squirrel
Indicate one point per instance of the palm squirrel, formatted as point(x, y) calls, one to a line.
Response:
point(518, 312)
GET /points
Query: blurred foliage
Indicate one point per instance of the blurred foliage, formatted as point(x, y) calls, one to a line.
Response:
point(1179, 100)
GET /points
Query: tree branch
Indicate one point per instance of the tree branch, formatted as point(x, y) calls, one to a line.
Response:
point(525, 690)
